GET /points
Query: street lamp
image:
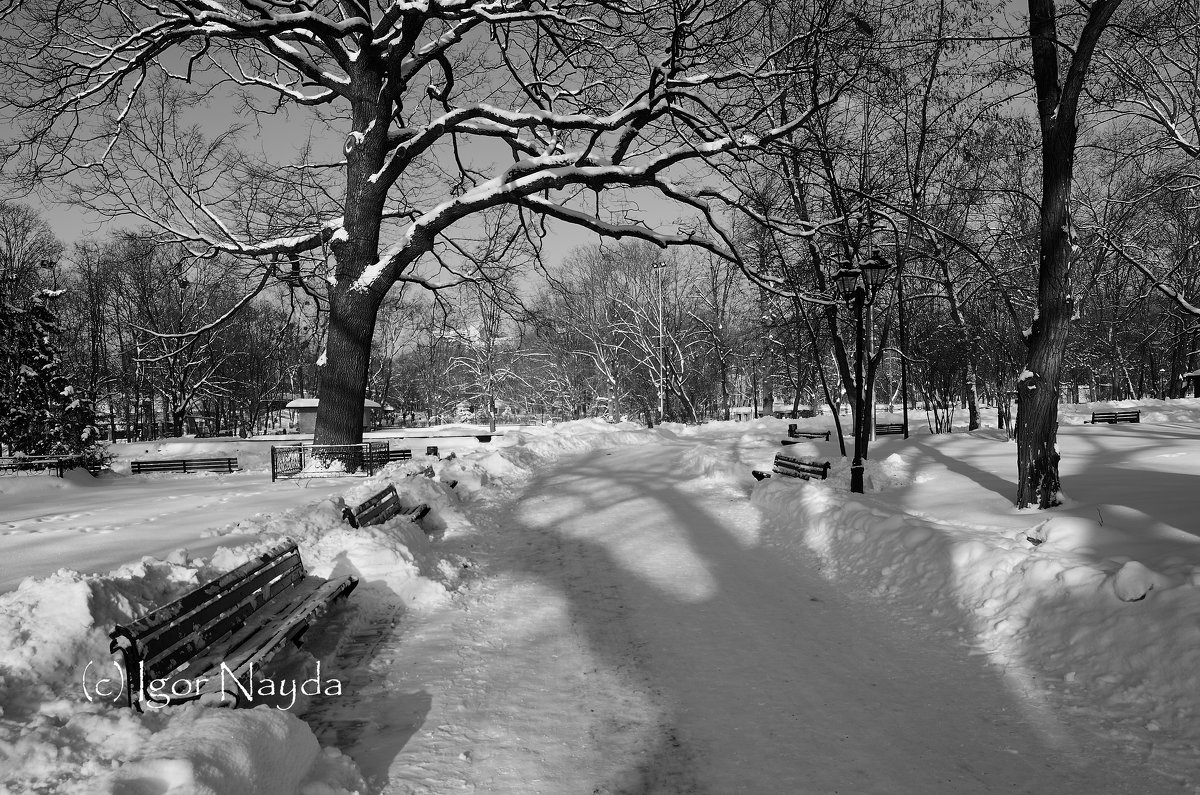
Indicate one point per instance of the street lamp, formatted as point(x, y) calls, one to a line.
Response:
point(858, 286)
point(51, 266)
point(662, 364)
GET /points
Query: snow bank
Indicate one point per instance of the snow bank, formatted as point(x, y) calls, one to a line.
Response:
point(1152, 410)
point(1036, 599)
point(63, 726)
point(261, 750)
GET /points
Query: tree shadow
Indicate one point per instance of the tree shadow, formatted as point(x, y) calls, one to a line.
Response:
point(726, 639)
point(1117, 488)
point(365, 715)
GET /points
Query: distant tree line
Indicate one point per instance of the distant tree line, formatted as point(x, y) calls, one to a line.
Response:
point(622, 331)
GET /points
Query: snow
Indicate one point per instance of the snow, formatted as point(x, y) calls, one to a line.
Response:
point(609, 608)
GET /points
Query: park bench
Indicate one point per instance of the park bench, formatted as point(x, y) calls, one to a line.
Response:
point(209, 642)
point(185, 465)
point(432, 450)
point(889, 428)
point(381, 507)
point(1126, 415)
point(51, 464)
point(795, 433)
point(381, 457)
point(795, 468)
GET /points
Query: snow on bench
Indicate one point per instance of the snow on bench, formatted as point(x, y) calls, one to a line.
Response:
point(794, 432)
point(1110, 417)
point(209, 643)
point(795, 468)
point(381, 507)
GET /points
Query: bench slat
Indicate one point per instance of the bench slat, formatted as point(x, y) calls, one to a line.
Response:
point(794, 432)
point(202, 593)
point(208, 660)
point(257, 650)
point(245, 615)
point(1112, 417)
point(794, 467)
point(381, 507)
point(184, 465)
point(214, 620)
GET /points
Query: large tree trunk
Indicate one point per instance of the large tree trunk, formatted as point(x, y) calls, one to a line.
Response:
point(344, 375)
point(1037, 387)
point(352, 306)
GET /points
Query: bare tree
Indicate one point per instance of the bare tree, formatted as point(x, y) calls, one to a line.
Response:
point(459, 123)
point(1058, 96)
point(28, 253)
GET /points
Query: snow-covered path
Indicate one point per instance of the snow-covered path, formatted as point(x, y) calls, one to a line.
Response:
point(632, 630)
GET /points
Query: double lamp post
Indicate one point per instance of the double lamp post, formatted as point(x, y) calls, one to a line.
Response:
point(858, 284)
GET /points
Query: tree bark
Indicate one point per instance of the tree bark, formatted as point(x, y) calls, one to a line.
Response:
point(353, 307)
point(1037, 387)
point(344, 374)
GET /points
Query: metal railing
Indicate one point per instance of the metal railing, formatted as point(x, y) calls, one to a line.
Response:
point(327, 460)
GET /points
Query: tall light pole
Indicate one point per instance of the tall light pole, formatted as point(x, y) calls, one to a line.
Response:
point(858, 284)
point(662, 364)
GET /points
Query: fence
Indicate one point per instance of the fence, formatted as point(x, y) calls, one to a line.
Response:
point(327, 460)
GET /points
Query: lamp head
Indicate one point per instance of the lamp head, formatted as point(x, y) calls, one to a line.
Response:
point(875, 270)
point(847, 279)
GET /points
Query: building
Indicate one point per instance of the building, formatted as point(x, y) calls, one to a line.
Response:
point(304, 414)
point(783, 409)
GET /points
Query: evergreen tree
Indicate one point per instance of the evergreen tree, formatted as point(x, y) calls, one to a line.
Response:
point(40, 413)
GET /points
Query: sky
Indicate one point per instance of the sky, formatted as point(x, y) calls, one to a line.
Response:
point(609, 608)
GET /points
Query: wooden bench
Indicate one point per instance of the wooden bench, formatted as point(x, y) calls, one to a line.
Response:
point(795, 468)
point(432, 450)
point(381, 457)
point(210, 642)
point(795, 433)
point(381, 507)
point(1110, 417)
point(185, 465)
point(889, 429)
point(51, 464)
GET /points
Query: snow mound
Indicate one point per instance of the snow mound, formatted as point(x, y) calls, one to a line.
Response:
point(261, 750)
point(64, 727)
point(67, 724)
point(710, 461)
point(1133, 581)
point(1043, 597)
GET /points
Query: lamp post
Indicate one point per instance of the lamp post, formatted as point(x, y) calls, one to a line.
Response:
point(662, 364)
point(51, 267)
point(859, 285)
